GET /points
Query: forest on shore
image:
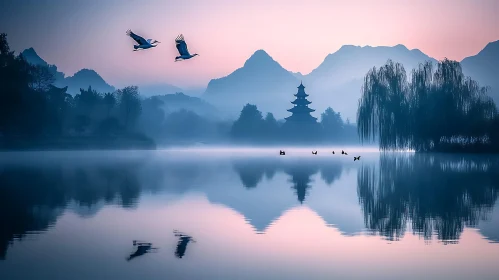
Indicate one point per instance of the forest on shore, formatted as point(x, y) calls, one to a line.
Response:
point(437, 110)
point(35, 114)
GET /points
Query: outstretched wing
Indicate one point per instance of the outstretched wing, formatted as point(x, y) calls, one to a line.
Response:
point(181, 45)
point(137, 38)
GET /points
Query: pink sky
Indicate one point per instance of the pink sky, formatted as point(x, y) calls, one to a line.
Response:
point(298, 34)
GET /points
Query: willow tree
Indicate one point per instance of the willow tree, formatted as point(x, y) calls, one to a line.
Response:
point(437, 109)
point(384, 107)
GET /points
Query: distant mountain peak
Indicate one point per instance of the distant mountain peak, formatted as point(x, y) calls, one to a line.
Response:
point(400, 46)
point(492, 47)
point(32, 57)
point(86, 72)
point(258, 58)
point(30, 50)
point(347, 47)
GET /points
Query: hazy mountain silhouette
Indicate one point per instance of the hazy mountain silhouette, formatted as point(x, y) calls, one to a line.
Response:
point(483, 67)
point(85, 78)
point(180, 101)
point(33, 58)
point(164, 88)
point(81, 79)
point(261, 81)
point(353, 62)
point(335, 82)
point(158, 89)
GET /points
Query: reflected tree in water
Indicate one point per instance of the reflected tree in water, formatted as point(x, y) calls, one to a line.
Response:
point(437, 195)
point(252, 171)
point(331, 172)
point(33, 197)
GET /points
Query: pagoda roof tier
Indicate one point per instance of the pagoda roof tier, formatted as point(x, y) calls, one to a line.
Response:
point(301, 91)
point(300, 109)
point(301, 102)
point(301, 94)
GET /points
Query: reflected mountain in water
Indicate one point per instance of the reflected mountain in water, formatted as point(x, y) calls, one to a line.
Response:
point(435, 195)
point(431, 195)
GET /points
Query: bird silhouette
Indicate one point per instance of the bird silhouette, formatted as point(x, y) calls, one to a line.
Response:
point(356, 158)
point(314, 153)
point(182, 243)
point(142, 249)
point(342, 152)
point(142, 43)
point(333, 152)
point(282, 153)
point(182, 49)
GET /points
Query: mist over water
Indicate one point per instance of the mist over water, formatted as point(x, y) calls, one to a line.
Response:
point(248, 213)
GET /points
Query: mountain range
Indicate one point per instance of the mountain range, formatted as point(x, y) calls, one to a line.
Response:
point(336, 82)
point(262, 81)
point(81, 79)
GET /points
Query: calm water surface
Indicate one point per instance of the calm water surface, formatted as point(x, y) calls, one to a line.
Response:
point(248, 215)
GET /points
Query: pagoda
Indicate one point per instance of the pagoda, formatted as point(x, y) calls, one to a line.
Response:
point(301, 112)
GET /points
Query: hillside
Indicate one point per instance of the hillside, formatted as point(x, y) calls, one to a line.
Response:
point(336, 82)
point(484, 67)
point(261, 81)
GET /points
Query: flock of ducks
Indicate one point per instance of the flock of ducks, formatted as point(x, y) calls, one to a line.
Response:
point(283, 153)
point(143, 44)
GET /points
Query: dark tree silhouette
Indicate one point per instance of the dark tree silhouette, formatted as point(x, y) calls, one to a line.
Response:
point(249, 125)
point(129, 105)
point(436, 194)
point(36, 114)
point(439, 110)
point(53, 185)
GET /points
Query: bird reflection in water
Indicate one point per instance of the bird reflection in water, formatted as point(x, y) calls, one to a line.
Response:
point(141, 249)
point(182, 243)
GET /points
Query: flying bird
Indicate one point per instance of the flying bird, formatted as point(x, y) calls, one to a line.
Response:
point(182, 49)
point(142, 43)
point(314, 153)
point(356, 158)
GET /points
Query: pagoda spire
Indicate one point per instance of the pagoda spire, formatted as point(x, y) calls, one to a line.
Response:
point(301, 112)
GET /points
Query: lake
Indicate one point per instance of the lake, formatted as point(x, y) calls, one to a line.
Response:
point(248, 214)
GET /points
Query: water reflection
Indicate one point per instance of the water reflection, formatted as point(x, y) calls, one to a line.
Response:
point(184, 239)
point(141, 248)
point(433, 194)
point(388, 195)
point(251, 172)
point(33, 196)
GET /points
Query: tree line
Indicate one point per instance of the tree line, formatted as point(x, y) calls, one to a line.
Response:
point(36, 114)
point(439, 109)
point(33, 112)
point(252, 127)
